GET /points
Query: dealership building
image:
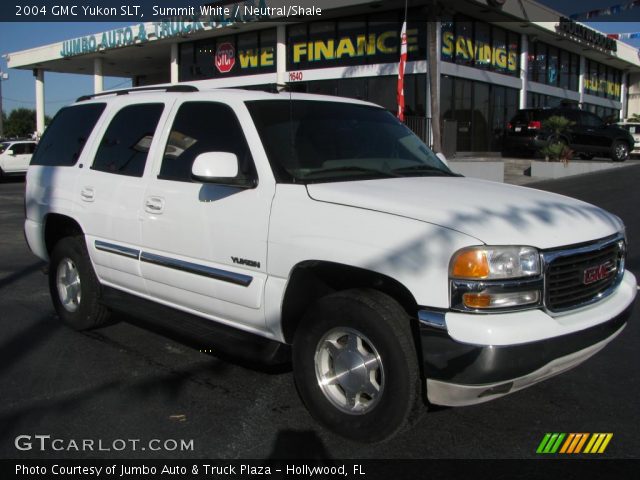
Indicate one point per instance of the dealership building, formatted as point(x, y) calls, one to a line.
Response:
point(493, 57)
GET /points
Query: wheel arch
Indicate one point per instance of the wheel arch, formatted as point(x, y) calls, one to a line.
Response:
point(312, 279)
point(57, 226)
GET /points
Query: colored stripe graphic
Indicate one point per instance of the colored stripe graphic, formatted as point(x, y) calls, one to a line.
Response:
point(553, 443)
point(598, 442)
point(550, 443)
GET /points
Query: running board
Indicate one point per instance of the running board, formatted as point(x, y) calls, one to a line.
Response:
point(196, 332)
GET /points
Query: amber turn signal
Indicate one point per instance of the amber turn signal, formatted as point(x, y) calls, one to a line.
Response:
point(476, 300)
point(471, 264)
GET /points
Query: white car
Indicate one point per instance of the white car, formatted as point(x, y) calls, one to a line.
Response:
point(634, 130)
point(15, 157)
point(269, 224)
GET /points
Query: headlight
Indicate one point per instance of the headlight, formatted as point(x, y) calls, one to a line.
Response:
point(495, 263)
point(496, 278)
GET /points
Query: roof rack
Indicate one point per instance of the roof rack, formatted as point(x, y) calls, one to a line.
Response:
point(125, 91)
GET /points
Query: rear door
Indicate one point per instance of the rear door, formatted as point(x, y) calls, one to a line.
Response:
point(110, 191)
point(29, 148)
point(16, 161)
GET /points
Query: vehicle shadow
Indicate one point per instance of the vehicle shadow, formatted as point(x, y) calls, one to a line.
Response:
point(26, 271)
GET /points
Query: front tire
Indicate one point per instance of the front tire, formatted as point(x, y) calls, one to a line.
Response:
point(619, 151)
point(355, 365)
point(74, 287)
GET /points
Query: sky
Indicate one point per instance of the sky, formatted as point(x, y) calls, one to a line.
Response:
point(62, 89)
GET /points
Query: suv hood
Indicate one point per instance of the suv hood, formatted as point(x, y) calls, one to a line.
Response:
point(494, 213)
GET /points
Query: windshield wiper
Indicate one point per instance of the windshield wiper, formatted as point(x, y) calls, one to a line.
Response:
point(349, 169)
point(428, 169)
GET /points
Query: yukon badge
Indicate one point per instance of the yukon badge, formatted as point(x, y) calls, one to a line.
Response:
point(244, 261)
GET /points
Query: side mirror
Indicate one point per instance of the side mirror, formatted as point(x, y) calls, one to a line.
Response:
point(11, 152)
point(221, 168)
point(442, 158)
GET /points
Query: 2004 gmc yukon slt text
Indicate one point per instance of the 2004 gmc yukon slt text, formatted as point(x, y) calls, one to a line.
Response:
point(322, 224)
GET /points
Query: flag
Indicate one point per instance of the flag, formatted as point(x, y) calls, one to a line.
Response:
point(403, 62)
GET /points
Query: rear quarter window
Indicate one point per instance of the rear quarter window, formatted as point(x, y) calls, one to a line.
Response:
point(64, 139)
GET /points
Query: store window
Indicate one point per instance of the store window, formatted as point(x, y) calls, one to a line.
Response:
point(477, 44)
point(602, 80)
point(477, 112)
point(232, 55)
point(361, 40)
point(553, 66)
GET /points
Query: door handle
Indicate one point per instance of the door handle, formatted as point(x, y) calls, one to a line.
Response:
point(154, 205)
point(87, 194)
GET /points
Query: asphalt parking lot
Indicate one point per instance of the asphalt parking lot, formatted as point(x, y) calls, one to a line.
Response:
point(126, 382)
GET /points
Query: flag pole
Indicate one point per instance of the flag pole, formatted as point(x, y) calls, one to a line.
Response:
point(402, 64)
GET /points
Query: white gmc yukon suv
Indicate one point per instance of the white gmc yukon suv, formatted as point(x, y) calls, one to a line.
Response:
point(322, 230)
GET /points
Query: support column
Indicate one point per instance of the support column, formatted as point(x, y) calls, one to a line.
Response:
point(524, 70)
point(281, 54)
point(39, 74)
point(2, 74)
point(174, 63)
point(583, 66)
point(98, 79)
point(624, 96)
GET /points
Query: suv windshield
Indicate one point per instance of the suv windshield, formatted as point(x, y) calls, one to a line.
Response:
point(310, 141)
point(3, 147)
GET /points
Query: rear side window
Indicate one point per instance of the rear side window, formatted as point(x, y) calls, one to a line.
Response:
point(526, 116)
point(64, 139)
point(19, 148)
point(201, 127)
point(125, 145)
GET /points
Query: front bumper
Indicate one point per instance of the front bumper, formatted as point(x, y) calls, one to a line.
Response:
point(462, 372)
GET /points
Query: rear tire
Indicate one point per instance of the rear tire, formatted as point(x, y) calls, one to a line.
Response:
point(619, 151)
point(355, 365)
point(74, 287)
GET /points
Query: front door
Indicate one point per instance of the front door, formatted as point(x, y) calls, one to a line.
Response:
point(204, 245)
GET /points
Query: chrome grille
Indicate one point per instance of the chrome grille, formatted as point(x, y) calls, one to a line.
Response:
point(565, 275)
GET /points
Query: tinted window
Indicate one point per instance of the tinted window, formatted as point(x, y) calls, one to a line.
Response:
point(526, 116)
point(573, 115)
point(632, 128)
point(125, 145)
point(201, 127)
point(29, 148)
point(590, 120)
point(64, 139)
point(19, 148)
point(318, 141)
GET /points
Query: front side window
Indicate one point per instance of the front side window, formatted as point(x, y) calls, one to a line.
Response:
point(19, 148)
point(125, 145)
point(591, 120)
point(201, 127)
point(317, 141)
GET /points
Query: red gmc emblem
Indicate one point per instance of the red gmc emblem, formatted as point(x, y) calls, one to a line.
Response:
point(599, 272)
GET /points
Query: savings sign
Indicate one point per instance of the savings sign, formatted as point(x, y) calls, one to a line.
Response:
point(225, 57)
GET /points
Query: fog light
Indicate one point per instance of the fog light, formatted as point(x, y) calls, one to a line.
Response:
point(486, 300)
